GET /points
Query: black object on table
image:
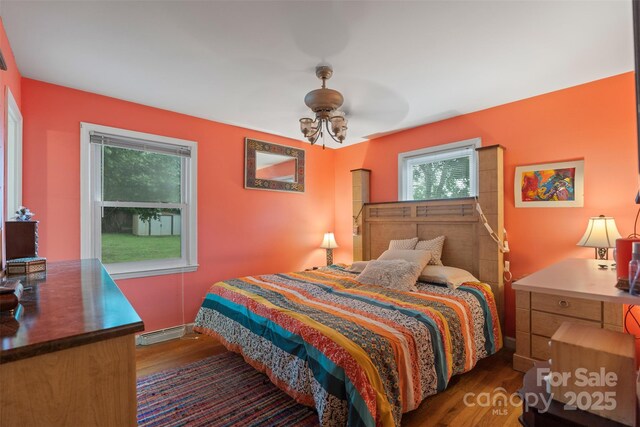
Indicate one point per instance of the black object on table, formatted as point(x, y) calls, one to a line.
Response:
point(533, 407)
point(21, 239)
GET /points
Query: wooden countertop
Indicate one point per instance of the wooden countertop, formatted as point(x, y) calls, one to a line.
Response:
point(580, 278)
point(76, 304)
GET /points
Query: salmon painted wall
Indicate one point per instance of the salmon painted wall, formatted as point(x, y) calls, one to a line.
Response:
point(240, 232)
point(8, 79)
point(594, 122)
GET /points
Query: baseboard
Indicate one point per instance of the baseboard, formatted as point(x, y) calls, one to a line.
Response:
point(189, 328)
point(162, 335)
point(509, 343)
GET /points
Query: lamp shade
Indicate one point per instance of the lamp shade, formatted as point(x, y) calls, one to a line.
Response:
point(601, 233)
point(329, 241)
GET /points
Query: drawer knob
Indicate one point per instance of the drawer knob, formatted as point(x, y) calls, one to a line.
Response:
point(563, 303)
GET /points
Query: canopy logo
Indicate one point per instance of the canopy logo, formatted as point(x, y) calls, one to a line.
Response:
point(589, 399)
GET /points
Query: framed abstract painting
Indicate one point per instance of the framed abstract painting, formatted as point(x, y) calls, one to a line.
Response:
point(550, 185)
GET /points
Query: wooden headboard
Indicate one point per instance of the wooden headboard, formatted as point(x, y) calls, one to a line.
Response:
point(457, 220)
point(467, 245)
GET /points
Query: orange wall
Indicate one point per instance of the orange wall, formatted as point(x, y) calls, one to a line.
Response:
point(240, 231)
point(594, 121)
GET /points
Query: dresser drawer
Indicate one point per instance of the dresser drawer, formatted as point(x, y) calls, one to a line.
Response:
point(567, 306)
point(546, 324)
point(540, 348)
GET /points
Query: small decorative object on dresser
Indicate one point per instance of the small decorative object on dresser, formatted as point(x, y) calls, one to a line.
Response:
point(21, 235)
point(10, 308)
point(8, 299)
point(623, 251)
point(23, 214)
point(329, 243)
point(29, 265)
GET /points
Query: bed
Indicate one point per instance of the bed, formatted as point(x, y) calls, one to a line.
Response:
point(364, 354)
point(361, 354)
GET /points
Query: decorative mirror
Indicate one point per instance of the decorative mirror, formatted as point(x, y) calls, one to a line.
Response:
point(273, 167)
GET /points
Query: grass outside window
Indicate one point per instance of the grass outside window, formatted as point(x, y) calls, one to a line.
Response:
point(123, 247)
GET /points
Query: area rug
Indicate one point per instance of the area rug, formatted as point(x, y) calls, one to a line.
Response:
point(221, 390)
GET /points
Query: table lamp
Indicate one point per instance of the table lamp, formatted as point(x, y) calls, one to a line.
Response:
point(328, 243)
point(601, 234)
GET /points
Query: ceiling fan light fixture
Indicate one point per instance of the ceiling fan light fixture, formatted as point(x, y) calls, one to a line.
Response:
point(306, 126)
point(338, 123)
point(325, 103)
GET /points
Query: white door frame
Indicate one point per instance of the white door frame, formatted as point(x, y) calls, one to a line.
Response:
point(14, 156)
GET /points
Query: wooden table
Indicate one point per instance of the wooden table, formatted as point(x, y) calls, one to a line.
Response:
point(575, 290)
point(71, 360)
point(578, 278)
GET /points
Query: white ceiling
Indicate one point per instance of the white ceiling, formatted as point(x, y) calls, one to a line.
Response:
point(250, 63)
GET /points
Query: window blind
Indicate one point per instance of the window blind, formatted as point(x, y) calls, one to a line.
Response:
point(140, 144)
point(442, 175)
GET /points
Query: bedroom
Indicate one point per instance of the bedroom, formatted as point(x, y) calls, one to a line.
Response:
point(550, 83)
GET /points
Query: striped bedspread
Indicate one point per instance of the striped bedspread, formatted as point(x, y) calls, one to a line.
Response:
point(361, 354)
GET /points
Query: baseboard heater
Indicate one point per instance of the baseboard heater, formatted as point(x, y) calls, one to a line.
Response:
point(161, 335)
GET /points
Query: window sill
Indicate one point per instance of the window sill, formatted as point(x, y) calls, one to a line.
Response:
point(130, 272)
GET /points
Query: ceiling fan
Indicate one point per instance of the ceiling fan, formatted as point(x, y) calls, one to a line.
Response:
point(325, 103)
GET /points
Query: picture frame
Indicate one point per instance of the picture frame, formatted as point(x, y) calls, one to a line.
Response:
point(550, 185)
point(273, 167)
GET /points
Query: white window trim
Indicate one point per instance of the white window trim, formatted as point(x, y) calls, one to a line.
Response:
point(14, 157)
point(89, 214)
point(407, 158)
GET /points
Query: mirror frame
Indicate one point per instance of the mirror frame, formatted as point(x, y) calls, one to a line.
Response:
point(252, 147)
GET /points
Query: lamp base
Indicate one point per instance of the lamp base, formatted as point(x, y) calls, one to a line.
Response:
point(602, 253)
point(329, 256)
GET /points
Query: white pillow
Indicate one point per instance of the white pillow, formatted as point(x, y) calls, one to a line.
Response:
point(409, 255)
point(433, 245)
point(396, 274)
point(403, 244)
point(358, 266)
point(451, 276)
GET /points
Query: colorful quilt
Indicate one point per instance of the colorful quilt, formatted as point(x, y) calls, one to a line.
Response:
point(361, 354)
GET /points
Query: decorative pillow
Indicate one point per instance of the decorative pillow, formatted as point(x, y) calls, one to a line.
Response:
point(396, 274)
point(433, 245)
point(451, 276)
point(403, 244)
point(358, 266)
point(419, 257)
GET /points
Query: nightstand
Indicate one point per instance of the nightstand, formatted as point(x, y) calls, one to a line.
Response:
point(575, 290)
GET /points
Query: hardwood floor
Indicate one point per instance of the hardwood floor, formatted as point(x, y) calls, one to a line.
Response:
point(444, 409)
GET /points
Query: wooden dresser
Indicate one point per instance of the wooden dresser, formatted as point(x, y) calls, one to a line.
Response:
point(69, 357)
point(575, 290)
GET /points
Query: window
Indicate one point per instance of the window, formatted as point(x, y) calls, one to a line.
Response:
point(138, 201)
point(14, 156)
point(446, 171)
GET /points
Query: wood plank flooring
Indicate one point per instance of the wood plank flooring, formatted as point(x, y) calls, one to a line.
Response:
point(444, 409)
